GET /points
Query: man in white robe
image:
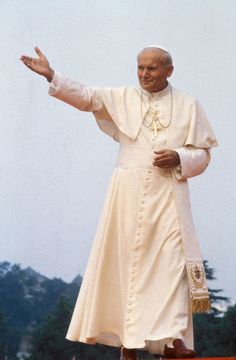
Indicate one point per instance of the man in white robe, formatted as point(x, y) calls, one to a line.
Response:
point(145, 275)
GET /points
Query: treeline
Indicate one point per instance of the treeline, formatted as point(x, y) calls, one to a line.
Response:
point(25, 298)
point(215, 332)
point(35, 313)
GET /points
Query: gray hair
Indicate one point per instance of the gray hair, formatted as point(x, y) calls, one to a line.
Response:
point(165, 55)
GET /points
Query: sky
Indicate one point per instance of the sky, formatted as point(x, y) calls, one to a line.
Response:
point(55, 164)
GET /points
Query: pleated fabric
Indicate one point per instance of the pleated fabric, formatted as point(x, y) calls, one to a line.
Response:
point(135, 289)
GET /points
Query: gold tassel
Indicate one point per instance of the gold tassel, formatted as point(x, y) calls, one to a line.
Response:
point(201, 305)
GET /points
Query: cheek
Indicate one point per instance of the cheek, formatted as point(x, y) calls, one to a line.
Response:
point(155, 76)
point(139, 73)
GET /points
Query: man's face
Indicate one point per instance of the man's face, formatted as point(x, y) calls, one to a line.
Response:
point(152, 71)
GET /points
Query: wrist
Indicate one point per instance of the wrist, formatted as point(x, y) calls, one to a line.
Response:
point(177, 158)
point(49, 75)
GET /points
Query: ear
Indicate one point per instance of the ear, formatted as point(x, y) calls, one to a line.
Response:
point(170, 70)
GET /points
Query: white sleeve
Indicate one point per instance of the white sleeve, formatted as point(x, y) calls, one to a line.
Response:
point(193, 162)
point(75, 94)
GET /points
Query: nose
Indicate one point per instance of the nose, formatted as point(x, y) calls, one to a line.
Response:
point(145, 74)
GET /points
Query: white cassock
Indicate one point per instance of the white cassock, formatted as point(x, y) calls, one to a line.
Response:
point(145, 265)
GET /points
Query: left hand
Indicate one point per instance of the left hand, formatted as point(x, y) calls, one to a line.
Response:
point(166, 159)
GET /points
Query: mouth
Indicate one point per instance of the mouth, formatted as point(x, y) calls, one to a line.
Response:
point(145, 81)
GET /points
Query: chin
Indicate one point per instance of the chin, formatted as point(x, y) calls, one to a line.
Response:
point(147, 87)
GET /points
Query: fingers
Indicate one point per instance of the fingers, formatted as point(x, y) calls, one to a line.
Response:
point(26, 60)
point(163, 159)
point(162, 154)
point(163, 151)
point(166, 158)
point(163, 162)
point(38, 51)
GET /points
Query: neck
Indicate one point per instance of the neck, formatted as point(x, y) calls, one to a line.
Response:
point(162, 87)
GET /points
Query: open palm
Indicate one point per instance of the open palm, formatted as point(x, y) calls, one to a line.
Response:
point(40, 65)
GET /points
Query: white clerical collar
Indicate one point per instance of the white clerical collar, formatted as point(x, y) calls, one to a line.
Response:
point(158, 94)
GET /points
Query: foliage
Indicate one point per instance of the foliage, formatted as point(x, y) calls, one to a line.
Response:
point(213, 332)
point(3, 337)
point(216, 299)
point(42, 308)
point(49, 341)
point(34, 296)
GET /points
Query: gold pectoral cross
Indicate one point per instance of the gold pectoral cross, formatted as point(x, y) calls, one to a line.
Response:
point(154, 127)
point(155, 124)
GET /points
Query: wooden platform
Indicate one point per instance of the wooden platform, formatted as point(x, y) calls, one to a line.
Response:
point(203, 358)
point(210, 358)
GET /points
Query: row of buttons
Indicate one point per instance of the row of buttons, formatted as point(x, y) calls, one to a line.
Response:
point(135, 254)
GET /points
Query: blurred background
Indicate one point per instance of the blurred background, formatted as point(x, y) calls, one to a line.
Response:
point(55, 164)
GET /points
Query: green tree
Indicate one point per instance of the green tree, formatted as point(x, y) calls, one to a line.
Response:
point(49, 343)
point(208, 327)
point(34, 296)
point(3, 336)
point(215, 297)
point(226, 332)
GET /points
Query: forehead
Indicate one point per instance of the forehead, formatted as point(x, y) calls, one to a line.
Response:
point(150, 56)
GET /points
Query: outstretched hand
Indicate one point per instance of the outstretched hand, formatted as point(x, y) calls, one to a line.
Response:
point(40, 65)
point(166, 159)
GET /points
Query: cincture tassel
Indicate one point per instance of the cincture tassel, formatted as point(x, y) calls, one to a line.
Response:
point(198, 287)
point(201, 305)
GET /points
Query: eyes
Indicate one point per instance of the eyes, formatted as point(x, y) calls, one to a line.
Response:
point(148, 68)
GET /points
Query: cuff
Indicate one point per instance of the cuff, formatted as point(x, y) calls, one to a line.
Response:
point(178, 171)
point(55, 84)
point(193, 162)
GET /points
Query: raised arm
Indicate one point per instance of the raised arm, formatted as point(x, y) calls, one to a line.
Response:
point(71, 92)
point(39, 65)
